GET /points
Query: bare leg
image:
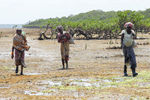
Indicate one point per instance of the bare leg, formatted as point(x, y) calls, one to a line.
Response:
point(66, 64)
point(21, 70)
point(63, 63)
point(66, 61)
point(16, 69)
point(125, 70)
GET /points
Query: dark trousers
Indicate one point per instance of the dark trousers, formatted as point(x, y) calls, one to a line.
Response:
point(129, 56)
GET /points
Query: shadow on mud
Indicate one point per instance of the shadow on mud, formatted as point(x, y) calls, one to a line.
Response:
point(65, 69)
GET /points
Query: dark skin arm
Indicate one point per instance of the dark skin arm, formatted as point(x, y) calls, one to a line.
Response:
point(134, 37)
point(12, 53)
point(122, 36)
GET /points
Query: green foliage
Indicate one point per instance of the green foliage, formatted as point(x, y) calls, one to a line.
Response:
point(130, 16)
point(98, 21)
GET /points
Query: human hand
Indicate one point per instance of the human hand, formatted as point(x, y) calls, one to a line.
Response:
point(12, 55)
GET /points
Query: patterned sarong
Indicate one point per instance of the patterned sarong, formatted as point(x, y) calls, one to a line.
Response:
point(20, 43)
point(65, 50)
point(19, 58)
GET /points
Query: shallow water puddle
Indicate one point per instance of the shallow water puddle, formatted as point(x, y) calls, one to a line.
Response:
point(49, 83)
point(80, 84)
point(4, 87)
point(36, 93)
point(76, 82)
point(106, 80)
point(80, 80)
point(71, 85)
point(32, 73)
point(55, 93)
point(118, 79)
point(143, 84)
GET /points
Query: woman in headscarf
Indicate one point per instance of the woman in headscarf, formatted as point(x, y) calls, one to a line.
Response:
point(127, 42)
point(19, 46)
point(64, 38)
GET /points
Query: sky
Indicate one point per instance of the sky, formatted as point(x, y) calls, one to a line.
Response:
point(23, 11)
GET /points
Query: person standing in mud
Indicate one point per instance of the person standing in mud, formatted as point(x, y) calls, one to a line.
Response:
point(127, 42)
point(63, 39)
point(19, 46)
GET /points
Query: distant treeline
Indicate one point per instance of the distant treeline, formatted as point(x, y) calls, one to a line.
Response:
point(97, 22)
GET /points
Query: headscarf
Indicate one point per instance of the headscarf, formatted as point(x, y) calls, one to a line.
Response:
point(128, 24)
point(60, 27)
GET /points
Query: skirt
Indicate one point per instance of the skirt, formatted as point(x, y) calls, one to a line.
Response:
point(65, 51)
point(19, 58)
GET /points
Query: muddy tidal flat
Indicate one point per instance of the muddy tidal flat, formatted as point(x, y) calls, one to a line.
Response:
point(95, 70)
